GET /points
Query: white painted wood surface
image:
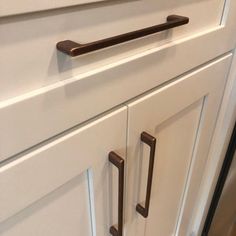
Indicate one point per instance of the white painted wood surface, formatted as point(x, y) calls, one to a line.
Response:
point(222, 135)
point(181, 116)
point(24, 6)
point(42, 65)
point(65, 211)
point(12, 7)
point(204, 140)
point(66, 183)
point(41, 179)
point(66, 186)
point(80, 87)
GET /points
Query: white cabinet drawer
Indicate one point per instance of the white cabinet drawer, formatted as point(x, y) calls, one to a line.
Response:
point(64, 188)
point(29, 58)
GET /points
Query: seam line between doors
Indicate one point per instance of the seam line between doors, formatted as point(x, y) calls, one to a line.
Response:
point(91, 203)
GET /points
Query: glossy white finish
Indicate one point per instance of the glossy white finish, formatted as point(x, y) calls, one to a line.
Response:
point(181, 116)
point(65, 211)
point(92, 78)
point(57, 180)
point(74, 170)
point(222, 134)
point(24, 6)
point(201, 152)
point(43, 65)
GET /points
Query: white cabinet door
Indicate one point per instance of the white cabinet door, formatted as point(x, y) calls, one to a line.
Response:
point(65, 187)
point(181, 116)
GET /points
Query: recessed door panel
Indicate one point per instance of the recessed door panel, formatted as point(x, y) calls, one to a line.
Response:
point(65, 211)
point(67, 186)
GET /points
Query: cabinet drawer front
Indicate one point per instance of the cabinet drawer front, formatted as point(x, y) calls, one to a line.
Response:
point(181, 116)
point(58, 213)
point(29, 58)
point(44, 92)
point(73, 168)
point(13, 7)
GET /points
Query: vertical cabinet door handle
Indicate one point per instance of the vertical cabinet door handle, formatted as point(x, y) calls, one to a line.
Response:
point(119, 162)
point(151, 142)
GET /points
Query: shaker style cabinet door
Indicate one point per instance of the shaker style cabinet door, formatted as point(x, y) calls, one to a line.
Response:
point(69, 186)
point(169, 132)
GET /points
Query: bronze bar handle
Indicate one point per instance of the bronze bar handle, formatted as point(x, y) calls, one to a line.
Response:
point(75, 49)
point(120, 164)
point(151, 142)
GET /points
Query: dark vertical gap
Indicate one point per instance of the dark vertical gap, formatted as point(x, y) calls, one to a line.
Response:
point(221, 182)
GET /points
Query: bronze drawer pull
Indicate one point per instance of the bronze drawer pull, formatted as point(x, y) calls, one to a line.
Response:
point(75, 49)
point(119, 163)
point(151, 142)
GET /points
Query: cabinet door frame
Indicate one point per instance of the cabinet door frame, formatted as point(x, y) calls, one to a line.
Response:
point(220, 140)
point(208, 84)
point(82, 151)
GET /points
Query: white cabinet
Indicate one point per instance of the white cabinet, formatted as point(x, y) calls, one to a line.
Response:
point(66, 187)
point(181, 116)
point(153, 101)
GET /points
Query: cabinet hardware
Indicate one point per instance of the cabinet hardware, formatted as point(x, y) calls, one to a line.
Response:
point(151, 142)
point(75, 49)
point(117, 161)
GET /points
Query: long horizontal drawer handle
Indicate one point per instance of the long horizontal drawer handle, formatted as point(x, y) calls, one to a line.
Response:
point(75, 49)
